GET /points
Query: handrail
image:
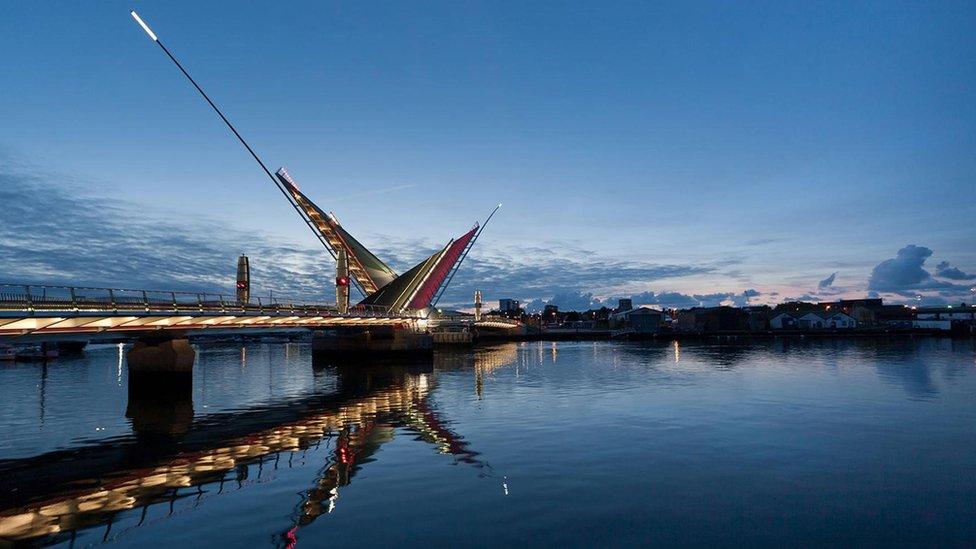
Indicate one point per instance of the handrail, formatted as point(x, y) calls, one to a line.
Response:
point(81, 300)
point(179, 299)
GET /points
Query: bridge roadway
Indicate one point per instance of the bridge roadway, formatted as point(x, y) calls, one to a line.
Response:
point(63, 310)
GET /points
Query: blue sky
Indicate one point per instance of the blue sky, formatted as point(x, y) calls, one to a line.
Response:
point(733, 153)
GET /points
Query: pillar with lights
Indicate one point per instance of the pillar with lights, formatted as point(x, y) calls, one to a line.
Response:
point(243, 279)
point(342, 282)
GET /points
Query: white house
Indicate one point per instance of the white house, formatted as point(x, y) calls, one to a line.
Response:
point(782, 321)
point(811, 321)
point(839, 319)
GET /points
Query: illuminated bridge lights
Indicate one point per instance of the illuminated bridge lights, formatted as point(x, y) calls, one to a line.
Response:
point(74, 310)
point(70, 310)
point(144, 487)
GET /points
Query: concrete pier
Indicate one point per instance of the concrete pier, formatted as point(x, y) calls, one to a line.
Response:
point(161, 358)
point(160, 386)
point(374, 342)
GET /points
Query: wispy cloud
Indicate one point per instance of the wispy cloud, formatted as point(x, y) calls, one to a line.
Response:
point(946, 270)
point(581, 301)
point(827, 282)
point(375, 192)
point(51, 234)
point(61, 234)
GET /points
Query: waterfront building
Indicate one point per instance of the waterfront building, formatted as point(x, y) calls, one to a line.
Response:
point(508, 305)
point(869, 316)
point(642, 320)
point(961, 313)
point(757, 319)
point(866, 312)
point(891, 316)
point(810, 321)
point(840, 320)
point(712, 319)
point(813, 320)
point(960, 319)
point(783, 321)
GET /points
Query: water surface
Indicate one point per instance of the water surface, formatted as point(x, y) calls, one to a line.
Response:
point(785, 442)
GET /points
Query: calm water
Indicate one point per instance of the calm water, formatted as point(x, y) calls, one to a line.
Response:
point(807, 443)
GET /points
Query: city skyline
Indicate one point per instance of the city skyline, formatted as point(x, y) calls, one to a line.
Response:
point(825, 156)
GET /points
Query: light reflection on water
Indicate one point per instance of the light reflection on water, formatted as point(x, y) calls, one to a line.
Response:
point(574, 443)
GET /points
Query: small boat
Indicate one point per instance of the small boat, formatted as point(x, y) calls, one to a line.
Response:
point(8, 353)
point(36, 354)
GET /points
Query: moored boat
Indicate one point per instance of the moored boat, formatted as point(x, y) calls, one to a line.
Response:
point(7, 353)
point(35, 353)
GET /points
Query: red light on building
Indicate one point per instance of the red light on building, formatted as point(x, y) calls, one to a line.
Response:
point(241, 285)
point(342, 281)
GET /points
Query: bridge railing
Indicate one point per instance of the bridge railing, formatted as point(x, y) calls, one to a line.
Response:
point(77, 299)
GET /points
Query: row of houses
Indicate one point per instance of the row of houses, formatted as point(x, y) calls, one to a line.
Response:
point(836, 316)
point(848, 314)
point(813, 321)
point(841, 315)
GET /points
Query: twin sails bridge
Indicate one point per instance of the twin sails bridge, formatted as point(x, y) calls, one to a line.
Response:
point(388, 298)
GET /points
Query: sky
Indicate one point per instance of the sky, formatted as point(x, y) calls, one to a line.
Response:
point(680, 153)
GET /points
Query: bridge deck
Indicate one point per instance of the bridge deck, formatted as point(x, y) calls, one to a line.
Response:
point(72, 310)
point(52, 310)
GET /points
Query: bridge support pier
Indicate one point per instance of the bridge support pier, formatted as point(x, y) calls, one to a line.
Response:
point(160, 386)
point(344, 344)
point(161, 358)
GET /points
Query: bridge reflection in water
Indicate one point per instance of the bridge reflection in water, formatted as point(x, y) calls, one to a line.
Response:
point(174, 456)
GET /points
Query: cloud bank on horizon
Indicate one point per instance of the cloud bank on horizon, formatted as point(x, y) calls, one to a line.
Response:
point(53, 234)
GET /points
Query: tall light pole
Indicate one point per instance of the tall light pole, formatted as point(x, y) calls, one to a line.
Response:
point(154, 38)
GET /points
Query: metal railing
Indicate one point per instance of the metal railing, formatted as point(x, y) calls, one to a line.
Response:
point(486, 318)
point(35, 298)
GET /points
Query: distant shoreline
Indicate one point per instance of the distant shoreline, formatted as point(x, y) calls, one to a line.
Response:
point(605, 335)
